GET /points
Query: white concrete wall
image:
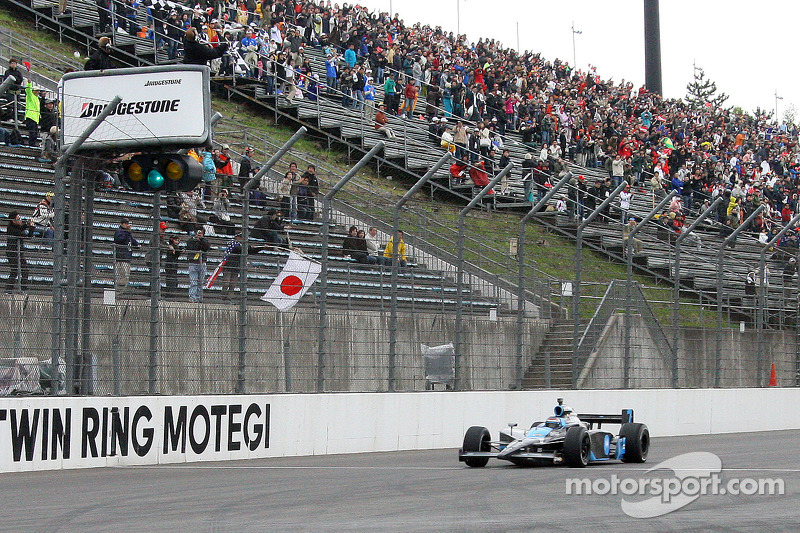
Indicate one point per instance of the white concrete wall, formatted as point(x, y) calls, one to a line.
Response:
point(316, 424)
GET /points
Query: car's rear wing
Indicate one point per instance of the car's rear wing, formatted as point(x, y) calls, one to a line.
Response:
point(624, 418)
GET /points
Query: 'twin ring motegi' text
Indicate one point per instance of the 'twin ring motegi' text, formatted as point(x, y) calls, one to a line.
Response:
point(90, 110)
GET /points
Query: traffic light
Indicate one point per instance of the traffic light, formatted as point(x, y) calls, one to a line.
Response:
point(162, 172)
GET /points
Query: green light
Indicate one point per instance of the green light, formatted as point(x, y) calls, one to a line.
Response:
point(155, 180)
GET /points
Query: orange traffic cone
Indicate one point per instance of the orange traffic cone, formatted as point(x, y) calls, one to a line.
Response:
point(773, 377)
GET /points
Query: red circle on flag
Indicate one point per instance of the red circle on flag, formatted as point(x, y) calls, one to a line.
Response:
point(291, 285)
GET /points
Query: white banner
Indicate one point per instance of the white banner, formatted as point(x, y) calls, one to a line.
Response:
point(160, 106)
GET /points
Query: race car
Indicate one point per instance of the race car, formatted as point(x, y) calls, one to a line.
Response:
point(566, 438)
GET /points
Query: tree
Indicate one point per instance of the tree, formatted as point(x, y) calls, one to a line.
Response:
point(790, 115)
point(702, 92)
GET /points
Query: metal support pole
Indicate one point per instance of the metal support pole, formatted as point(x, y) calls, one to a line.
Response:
point(396, 238)
point(576, 290)
point(720, 255)
point(86, 234)
point(326, 221)
point(460, 265)
point(75, 367)
point(677, 278)
point(626, 364)
point(762, 296)
point(242, 312)
point(59, 234)
point(155, 294)
point(521, 272)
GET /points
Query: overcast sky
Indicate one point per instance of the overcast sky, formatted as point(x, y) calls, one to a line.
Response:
point(748, 51)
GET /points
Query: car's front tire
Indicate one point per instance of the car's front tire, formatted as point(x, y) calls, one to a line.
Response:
point(477, 439)
point(637, 442)
point(577, 447)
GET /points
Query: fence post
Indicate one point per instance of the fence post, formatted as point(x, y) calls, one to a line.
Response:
point(326, 221)
point(677, 288)
point(629, 252)
point(521, 276)
point(58, 238)
point(460, 276)
point(762, 296)
point(242, 312)
point(395, 238)
point(576, 290)
point(155, 294)
point(720, 255)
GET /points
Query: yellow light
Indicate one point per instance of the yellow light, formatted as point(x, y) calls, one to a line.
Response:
point(135, 172)
point(174, 171)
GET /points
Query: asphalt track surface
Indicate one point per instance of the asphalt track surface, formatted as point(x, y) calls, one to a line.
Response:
point(418, 491)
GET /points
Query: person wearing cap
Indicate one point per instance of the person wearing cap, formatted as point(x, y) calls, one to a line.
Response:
point(51, 146)
point(100, 58)
point(625, 202)
point(222, 160)
point(42, 218)
point(32, 114)
point(124, 243)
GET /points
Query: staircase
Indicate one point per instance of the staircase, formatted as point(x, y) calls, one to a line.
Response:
point(557, 347)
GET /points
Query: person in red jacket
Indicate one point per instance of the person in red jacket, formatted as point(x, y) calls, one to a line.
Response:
point(458, 171)
point(410, 93)
point(478, 174)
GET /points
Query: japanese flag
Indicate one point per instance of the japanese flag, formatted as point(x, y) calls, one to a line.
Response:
point(292, 283)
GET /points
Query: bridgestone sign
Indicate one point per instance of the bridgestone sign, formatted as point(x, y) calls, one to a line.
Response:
point(165, 106)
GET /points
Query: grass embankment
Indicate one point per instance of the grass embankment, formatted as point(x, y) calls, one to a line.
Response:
point(488, 235)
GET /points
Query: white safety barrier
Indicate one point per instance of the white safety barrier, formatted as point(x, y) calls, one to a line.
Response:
point(45, 433)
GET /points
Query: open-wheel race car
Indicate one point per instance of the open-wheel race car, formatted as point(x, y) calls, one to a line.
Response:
point(575, 440)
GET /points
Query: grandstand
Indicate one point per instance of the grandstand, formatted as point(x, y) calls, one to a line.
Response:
point(431, 284)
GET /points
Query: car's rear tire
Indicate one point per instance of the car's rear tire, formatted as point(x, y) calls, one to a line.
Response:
point(477, 439)
point(637, 442)
point(577, 447)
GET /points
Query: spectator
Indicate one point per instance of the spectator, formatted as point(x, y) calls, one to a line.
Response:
point(100, 58)
point(42, 218)
point(173, 253)
point(222, 161)
point(287, 191)
point(374, 248)
point(32, 114)
point(14, 89)
point(196, 53)
point(626, 233)
point(247, 167)
point(196, 250)
point(401, 250)
point(312, 191)
point(353, 247)
point(233, 264)
point(381, 122)
point(124, 244)
point(51, 146)
point(16, 231)
point(625, 202)
point(222, 217)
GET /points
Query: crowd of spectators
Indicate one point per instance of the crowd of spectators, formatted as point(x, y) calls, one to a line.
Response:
point(473, 93)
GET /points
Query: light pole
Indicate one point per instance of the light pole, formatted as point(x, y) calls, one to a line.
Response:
point(777, 120)
point(458, 19)
point(574, 33)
